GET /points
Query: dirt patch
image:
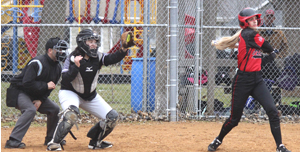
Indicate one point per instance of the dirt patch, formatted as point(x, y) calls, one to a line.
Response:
point(169, 136)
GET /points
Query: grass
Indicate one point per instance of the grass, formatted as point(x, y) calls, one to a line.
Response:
point(226, 98)
point(119, 97)
point(115, 69)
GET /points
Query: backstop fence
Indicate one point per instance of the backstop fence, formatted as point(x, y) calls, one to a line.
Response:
point(172, 72)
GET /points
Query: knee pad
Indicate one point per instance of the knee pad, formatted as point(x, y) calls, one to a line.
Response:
point(112, 118)
point(104, 127)
point(70, 116)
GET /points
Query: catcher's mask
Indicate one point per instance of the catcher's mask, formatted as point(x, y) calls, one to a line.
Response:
point(61, 50)
point(246, 14)
point(81, 39)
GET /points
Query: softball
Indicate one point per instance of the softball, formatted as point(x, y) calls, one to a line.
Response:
point(128, 38)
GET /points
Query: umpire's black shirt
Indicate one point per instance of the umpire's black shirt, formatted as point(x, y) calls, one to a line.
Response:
point(35, 76)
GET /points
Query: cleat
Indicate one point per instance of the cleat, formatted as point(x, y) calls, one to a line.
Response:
point(103, 145)
point(281, 148)
point(14, 144)
point(53, 147)
point(214, 145)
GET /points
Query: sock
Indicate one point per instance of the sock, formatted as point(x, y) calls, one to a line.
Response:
point(223, 133)
point(276, 132)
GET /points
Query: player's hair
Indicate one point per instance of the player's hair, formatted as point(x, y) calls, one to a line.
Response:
point(77, 52)
point(226, 42)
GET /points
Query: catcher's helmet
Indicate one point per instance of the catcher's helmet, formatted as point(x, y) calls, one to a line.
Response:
point(246, 14)
point(81, 38)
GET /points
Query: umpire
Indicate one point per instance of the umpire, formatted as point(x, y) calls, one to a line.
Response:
point(29, 92)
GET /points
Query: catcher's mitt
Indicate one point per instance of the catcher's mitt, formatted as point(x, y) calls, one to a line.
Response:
point(127, 40)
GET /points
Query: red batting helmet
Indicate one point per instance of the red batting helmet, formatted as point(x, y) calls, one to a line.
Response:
point(246, 14)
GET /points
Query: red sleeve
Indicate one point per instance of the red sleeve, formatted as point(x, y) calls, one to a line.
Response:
point(259, 40)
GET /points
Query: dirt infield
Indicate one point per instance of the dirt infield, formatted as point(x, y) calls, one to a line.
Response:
point(169, 136)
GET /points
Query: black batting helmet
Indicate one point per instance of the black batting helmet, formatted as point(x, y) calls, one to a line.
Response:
point(81, 39)
point(246, 14)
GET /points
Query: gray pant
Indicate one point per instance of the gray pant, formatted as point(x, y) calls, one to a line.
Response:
point(28, 111)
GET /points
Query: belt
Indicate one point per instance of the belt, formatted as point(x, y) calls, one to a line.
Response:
point(249, 73)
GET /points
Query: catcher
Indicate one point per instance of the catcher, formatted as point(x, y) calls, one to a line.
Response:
point(78, 89)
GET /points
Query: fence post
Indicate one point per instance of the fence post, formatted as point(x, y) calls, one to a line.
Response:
point(197, 50)
point(173, 58)
point(145, 56)
point(15, 40)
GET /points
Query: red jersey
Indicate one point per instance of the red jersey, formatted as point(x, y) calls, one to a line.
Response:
point(249, 54)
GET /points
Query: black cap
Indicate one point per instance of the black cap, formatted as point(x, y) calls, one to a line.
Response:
point(51, 43)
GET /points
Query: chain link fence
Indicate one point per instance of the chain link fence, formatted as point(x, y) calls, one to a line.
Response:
point(210, 93)
point(144, 80)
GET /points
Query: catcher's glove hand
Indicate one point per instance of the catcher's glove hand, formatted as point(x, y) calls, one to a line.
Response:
point(127, 40)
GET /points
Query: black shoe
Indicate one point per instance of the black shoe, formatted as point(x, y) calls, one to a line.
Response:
point(14, 144)
point(103, 145)
point(281, 148)
point(214, 145)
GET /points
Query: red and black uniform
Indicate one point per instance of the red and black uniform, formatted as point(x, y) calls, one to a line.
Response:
point(248, 81)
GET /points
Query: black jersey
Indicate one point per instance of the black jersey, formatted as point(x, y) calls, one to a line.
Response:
point(84, 79)
point(249, 51)
point(35, 76)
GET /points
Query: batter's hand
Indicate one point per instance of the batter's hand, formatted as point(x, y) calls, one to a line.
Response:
point(51, 85)
point(37, 104)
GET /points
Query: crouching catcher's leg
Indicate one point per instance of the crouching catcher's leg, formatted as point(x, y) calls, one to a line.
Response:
point(101, 130)
point(70, 117)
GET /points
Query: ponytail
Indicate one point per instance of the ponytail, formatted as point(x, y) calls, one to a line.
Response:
point(226, 42)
